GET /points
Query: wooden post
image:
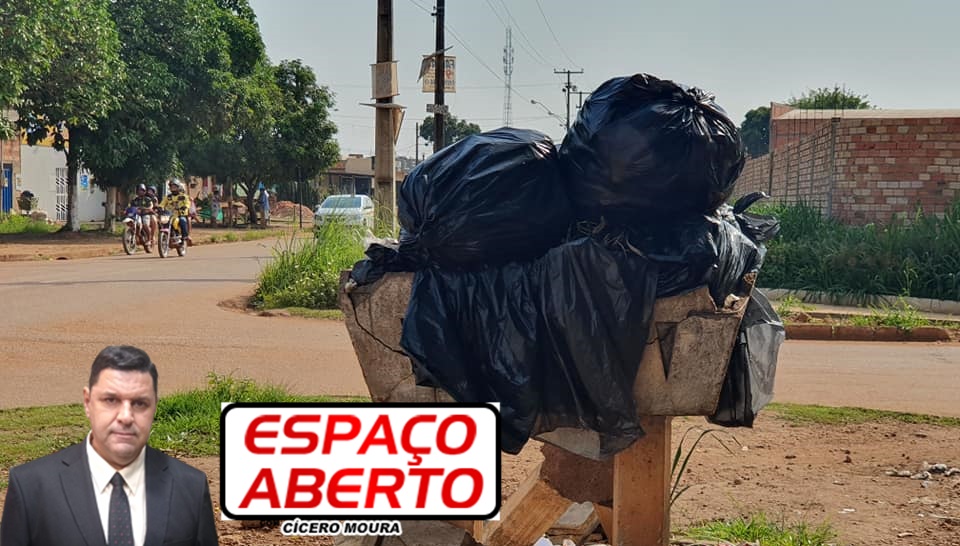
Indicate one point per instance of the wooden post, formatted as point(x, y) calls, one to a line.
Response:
point(384, 169)
point(641, 488)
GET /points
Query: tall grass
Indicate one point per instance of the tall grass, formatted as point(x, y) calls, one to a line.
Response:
point(919, 257)
point(758, 528)
point(15, 223)
point(307, 273)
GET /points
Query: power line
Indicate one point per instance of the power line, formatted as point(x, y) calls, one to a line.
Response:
point(552, 33)
point(538, 57)
point(522, 46)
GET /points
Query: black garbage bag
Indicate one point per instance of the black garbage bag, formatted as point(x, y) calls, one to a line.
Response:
point(488, 199)
point(651, 147)
point(748, 385)
point(556, 341)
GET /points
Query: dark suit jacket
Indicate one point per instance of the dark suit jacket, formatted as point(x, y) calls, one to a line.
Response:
point(51, 502)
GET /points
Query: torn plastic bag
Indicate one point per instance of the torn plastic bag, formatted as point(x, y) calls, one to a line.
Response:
point(556, 341)
point(488, 199)
point(646, 146)
point(748, 385)
point(385, 256)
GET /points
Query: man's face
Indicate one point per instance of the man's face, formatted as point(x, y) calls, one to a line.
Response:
point(120, 407)
point(141, 192)
point(174, 189)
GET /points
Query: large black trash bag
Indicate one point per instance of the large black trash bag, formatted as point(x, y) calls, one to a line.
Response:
point(646, 146)
point(385, 257)
point(488, 199)
point(748, 385)
point(556, 341)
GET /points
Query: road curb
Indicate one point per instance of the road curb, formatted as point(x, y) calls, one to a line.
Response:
point(826, 332)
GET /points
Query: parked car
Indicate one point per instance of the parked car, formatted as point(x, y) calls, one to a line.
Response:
point(354, 210)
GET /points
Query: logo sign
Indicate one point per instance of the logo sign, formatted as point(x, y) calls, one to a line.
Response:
point(428, 69)
point(84, 182)
point(360, 461)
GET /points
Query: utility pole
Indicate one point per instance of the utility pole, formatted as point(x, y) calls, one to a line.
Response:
point(438, 116)
point(580, 95)
point(384, 171)
point(416, 146)
point(568, 88)
point(300, 195)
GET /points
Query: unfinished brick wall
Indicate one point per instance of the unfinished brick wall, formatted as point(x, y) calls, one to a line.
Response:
point(865, 170)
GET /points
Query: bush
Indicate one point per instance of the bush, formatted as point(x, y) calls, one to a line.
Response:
point(919, 258)
point(15, 223)
point(307, 273)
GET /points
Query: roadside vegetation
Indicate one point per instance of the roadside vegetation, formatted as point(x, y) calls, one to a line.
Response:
point(761, 529)
point(915, 258)
point(306, 273)
point(14, 223)
point(802, 414)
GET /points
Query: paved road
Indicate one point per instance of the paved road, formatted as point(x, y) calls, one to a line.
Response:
point(55, 317)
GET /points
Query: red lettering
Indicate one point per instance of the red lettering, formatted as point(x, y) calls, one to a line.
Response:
point(407, 433)
point(389, 490)
point(424, 474)
point(336, 488)
point(332, 433)
point(312, 489)
point(250, 439)
point(382, 424)
point(468, 440)
point(447, 492)
point(265, 475)
point(311, 437)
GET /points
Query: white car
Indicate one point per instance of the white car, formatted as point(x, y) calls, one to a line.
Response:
point(354, 210)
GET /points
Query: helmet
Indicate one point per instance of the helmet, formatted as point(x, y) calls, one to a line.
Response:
point(141, 187)
point(175, 183)
point(152, 189)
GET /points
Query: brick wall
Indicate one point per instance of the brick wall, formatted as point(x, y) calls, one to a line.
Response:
point(865, 170)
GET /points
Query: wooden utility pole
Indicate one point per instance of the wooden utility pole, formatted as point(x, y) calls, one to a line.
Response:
point(384, 171)
point(568, 88)
point(438, 115)
point(416, 146)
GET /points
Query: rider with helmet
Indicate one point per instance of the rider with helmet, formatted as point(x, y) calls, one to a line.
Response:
point(178, 202)
point(145, 205)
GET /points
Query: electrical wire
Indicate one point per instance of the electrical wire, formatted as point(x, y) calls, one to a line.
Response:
point(552, 33)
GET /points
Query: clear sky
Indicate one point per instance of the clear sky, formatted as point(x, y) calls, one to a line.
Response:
point(746, 52)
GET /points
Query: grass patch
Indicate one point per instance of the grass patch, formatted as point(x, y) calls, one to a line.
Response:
point(257, 235)
point(918, 257)
point(902, 315)
point(760, 529)
point(14, 223)
point(307, 273)
point(791, 304)
point(230, 237)
point(803, 414)
point(325, 314)
point(29, 433)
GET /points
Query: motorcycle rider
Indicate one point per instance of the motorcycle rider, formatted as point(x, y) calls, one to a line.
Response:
point(178, 202)
point(145, 205)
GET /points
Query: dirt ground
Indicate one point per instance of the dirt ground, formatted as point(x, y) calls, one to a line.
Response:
point(791, 473)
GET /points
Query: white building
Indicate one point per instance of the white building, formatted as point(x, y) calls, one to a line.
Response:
point(44, 172)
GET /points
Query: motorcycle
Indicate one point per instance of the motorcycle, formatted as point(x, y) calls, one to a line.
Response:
point(135, 233)
point(168, 236)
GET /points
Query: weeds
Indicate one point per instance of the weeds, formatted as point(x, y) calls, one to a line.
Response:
point(790, 304)
point(901, 315)
point(678, 468)
point(758, 528)
point(919, 257)
point(307, 273)
point(15, 223)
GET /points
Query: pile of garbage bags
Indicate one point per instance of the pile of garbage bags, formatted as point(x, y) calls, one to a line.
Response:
point(537, 270)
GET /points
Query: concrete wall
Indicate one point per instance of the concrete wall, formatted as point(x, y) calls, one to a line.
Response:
point(39, 166)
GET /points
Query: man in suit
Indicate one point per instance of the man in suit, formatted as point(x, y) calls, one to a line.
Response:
point(111, 489)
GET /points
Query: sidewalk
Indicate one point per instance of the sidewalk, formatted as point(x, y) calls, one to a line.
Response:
point(841, 311)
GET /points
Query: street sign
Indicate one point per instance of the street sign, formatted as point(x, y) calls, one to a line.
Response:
point(438, 109)
point(429, 71)
point(84, 182)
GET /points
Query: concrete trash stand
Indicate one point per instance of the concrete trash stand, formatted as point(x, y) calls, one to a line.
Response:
point(681, 373)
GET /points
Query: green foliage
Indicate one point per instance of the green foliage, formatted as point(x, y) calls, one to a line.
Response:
point(15, 223)
point(759, 529)
point(29, 433)
point(919, 258)
point(307, 273)
point(680, 461)
point(824, 415)
point(454, 129)
point(901, 315)
point(755, 131)
point(791, 304)
point(188, 423)
point(826, 98)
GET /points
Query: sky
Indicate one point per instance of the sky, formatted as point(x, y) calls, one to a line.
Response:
point(746, 52)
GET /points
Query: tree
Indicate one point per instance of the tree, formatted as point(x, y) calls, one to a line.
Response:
point(453, 129)
point(756, 123)
point(66, 97)
point(825, 98)
point(183, 57)
point(28, 46)
point(755, 131)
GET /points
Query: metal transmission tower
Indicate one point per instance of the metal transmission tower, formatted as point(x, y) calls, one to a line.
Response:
point(508, 80)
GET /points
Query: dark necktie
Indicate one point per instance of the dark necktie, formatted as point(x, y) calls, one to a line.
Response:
point(121, 530)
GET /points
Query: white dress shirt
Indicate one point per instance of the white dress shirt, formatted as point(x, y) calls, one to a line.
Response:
point(133, 474)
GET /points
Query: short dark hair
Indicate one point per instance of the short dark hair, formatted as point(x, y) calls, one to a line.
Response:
point(124, 358)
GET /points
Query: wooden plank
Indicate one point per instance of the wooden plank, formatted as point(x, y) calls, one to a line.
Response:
point(526, 515)
point(641, 488)
point(606, 518)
